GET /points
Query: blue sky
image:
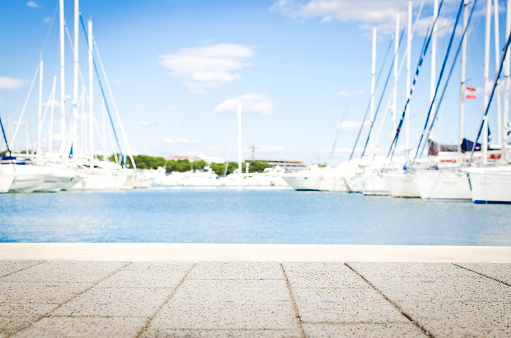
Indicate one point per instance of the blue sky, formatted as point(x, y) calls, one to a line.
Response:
point(177, 69)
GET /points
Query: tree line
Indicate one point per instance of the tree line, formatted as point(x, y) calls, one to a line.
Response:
point(151, 162)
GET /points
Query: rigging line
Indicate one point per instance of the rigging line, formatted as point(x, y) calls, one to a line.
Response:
point(444, 63)
point(13, 138)
point(497, 76)
point(230, 147)
point(369, 104)
point(103, 94)
point(49, 29)
point(401, 65)
point(425, 46)
point(349, 100)
point(448, 77)
point(381, 99)
point(125, 139)
point(5, 137)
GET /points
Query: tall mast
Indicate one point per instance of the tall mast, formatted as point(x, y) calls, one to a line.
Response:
point(91, 93)
point(432, 81)
point(505, 116)
point(75, 76)
point(239, 137)
point(408, 66)
point(463, 77)
point(373, 72)
point(497, 63)
point(62, 79)
point(39, 115)
point(394, 103)
point(484, 142)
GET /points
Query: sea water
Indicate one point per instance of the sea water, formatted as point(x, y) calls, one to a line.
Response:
point(251, 216)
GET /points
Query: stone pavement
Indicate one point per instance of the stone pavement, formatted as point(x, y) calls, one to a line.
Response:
point(247, 298)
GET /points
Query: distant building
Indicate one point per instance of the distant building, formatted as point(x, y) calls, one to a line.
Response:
point(288, 165)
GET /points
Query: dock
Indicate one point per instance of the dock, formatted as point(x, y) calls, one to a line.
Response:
point(231, 290)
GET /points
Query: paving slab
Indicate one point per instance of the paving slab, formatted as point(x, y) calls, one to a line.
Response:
point(461, 319)
point(223, 333)
point(41, 293)
point(228, 304)
point(15, 316)
point(212, 292)
point(149, 274)
point(232, 316)
point(406, 269)
point(66, 271)
point(322, 275)
point(499, 271)
point(331, 305)
point(8, 267)
point(115, 302)
point(84, 327)
point(362, 330)
point(236, 270)
point(437, 288)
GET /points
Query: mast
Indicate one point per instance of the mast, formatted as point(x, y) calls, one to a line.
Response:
point(373, 72)
point(91, 92)
point(75, 77)
point(62, 79)
point(39, 115)
point(432, 79)
point(394, 103)
point(486, 74)
point(50, 131)
point(505, 116)
point(408, 67)
point(463, 88)
point(497, 62)
point(239, 137)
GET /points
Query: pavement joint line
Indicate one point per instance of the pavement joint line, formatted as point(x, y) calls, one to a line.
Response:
point(46, 315)
point(146, 326)
point(413, 321)
point(28, 267)
point(293, 301)
point(482, 274)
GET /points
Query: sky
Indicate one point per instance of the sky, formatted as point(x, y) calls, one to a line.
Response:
point(178, 69)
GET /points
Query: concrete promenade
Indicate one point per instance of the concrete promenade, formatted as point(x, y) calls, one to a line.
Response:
point(200, 290)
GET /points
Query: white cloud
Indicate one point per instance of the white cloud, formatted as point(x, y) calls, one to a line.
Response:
point(179, 140)
point(32, 4)
point(368, 13)
point(47, 20)
point(354, 125)
point(137, 107)
point(258, 103)
point(145, 124)
point(346, 93)
point(9, 83)
point(207, 67)
point(172, 108)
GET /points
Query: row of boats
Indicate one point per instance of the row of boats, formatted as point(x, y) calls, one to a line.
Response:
point(49, 174)
point(437, 181)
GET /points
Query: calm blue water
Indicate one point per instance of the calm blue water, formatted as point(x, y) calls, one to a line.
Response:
point(252, 216)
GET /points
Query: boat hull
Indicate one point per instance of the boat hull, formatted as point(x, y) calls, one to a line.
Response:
point(490, 186)
point(443, 185)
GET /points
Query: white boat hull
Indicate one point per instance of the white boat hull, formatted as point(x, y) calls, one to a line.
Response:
point(443, 185)
point(304, 183)
point(374, 185)
point(490, 186)
point(401, 184)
